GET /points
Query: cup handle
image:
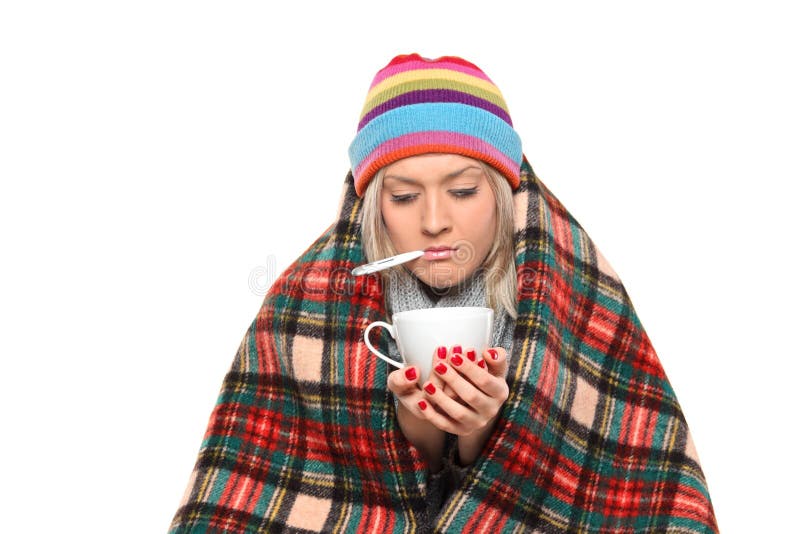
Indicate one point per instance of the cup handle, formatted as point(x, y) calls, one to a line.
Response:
point(375, 351)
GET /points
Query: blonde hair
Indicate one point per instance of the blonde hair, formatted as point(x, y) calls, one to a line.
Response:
point(499, 268)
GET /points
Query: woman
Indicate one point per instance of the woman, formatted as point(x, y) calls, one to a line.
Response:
point(447, 205)
point(567, 424)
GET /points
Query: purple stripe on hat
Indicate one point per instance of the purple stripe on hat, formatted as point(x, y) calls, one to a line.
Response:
point(454, 139)
point(418, 65)
point(434, 95)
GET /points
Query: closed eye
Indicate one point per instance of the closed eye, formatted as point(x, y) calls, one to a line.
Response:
point(402, 199)
point(463, 193)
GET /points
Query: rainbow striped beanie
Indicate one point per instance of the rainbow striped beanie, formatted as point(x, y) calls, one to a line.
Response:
point(418, 106)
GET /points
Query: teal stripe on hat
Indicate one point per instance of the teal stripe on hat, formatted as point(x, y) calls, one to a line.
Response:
point(436, 117)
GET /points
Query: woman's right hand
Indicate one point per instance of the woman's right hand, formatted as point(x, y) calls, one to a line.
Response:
point(405, 384)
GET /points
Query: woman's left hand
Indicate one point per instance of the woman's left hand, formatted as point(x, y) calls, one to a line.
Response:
point(466, 390)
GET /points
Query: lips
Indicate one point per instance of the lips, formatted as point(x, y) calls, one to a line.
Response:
point(438, 253)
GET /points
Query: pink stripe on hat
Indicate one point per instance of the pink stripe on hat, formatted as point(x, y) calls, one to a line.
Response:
point(423, 64)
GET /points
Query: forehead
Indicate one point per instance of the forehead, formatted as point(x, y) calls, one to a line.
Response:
point(433, 167)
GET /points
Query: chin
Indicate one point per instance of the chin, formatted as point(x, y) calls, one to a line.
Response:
point(443, 277)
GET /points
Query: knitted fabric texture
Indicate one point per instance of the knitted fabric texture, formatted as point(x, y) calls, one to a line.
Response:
point(418, 106)
point(304, 435)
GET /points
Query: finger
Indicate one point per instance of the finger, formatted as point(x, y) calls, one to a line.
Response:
point(404, 384)
point(438, 419)
point(448, 414)
point(473, 356)
point(437, 381)
point(457, 359)
point(439, 355)
point(496, 360)
point(468, 395)
point(491, 388)
point(442, 356)
point(450, 392)
point(403, 381)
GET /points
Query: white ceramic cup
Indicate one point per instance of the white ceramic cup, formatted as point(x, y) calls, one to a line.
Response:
point(419, 332)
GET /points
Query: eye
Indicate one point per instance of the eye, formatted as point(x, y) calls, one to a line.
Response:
point(463, 193)
point(403, 199)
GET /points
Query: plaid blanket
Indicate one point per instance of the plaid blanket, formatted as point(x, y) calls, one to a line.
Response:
point(304, 436)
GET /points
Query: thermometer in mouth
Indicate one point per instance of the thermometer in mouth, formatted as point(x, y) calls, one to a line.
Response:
point(386, 263)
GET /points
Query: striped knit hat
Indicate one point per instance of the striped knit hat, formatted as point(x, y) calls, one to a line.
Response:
point(418, 106)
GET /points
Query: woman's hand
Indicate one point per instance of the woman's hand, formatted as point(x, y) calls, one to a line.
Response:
point(428, 439)
point(466, 391)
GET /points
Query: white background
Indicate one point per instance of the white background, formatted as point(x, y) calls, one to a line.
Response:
point(160, 161)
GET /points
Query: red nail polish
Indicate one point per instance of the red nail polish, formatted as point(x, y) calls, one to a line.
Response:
point(441, 369)
point(442, 352)
point(456, 360)
point(493, 354)
point(482, 364)
point(457, 349)
point(411, 373)
point(471, 355)
point(430, 389)
point(422, 404)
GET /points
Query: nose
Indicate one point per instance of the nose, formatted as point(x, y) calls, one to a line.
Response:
point(435, 216)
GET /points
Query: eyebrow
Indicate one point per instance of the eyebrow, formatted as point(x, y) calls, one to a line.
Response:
point(448, 176)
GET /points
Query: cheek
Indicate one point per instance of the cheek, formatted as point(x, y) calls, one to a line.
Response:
point(388, 216)
point(483, 222)
point(396, 222)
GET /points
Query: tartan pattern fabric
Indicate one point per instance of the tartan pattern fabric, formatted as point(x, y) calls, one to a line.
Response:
point(304, 436)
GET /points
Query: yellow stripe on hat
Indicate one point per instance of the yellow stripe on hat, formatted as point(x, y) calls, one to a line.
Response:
point(433, 83)
point(421, 74)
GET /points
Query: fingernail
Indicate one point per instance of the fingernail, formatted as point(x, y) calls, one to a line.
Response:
point(482, 364)
point(441, 369)
point(457, 349)
point(422, 404)
point(442, 352)
point(471, 355)
point(493, 354)
point(411, 373)
point(456, 360)
point(430, 389)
